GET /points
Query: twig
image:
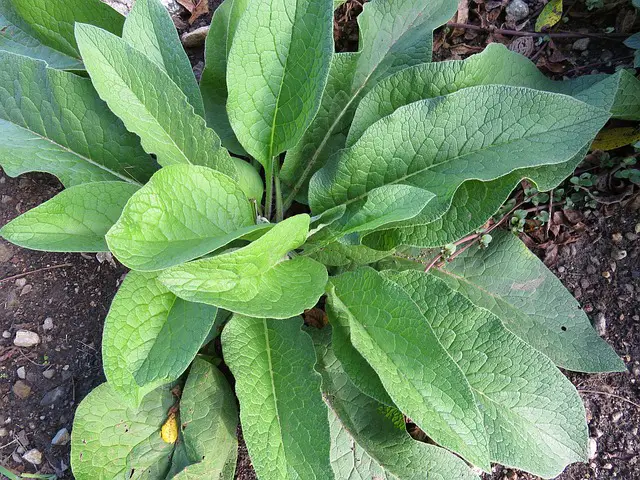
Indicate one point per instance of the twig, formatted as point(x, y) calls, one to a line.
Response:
point(611, 395)
point(550, 211)
point(516, 33)
point(20, 275)
point(542, 207)
point(598, 64)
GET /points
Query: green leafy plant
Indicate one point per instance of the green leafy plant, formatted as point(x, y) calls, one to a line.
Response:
point(388, 154)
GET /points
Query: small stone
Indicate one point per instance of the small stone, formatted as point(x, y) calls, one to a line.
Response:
point(48, 374)
point(632, 237)
point(581, 44)
point(195, 38)
point(561, 269)
point(637, 228)
point(606, 274)
point(601, 324)
point(52, 396)
point(607, 466)
point(61, 438)
point(6, 334)
point(618, 254)
point(25, 338)
point(21, 282)
point(3, 432)
point(517, 10)
point(616, 237)
point(16, 458)
point(22, 373)
point(593, 448)
point(616, 417)
point(21, 389)
point(48, 324)
point(5, 253)
point(584, 283)
point(33, 456)
point(26, 289)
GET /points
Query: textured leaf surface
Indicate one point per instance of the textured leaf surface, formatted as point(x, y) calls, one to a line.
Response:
point(278, 46)
point(338, 254)
point(213, 83)
point(257, 280)
point(368, 439)
point(75, 220)
point(394, 34)
point(389, 331)
point(54, 20)
point(53, 121)
point(533, 415)
point(150, 29)
point(511, 282)
point(150, 336)
point(550, 15)
point(149, 102)
point(184, 212)
point(284, 420)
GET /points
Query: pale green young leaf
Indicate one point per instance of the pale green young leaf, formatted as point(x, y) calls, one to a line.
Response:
point(511, 282)
point(53, 21)
point(284, 420)
point(259, 279)
point(213, 83)
point(150, 337)
point(184, 212)
point(53, 121)
point(389, 331)
point(150, 29)
point(533, 414)
point(75, 220)
point(149, 103)
point(278, 47)
point(368, 439)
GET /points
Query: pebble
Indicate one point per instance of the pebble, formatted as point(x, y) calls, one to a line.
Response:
point(21, 389)
point(593, 448)
point(632, 237)
point(33, 456)
point(601, 324)
point(581, 44)
point(22, 373)
point(616, 417)
point(21, 282)
point(517, 10)
point(26, 289)
point(52, 396)
point(3, 432)
point(5, 253)
point(6, 334)
point(61, 438)
point(616, 237)
point(49, 373)
point(48, 324)
point(25, 338)
point(195, 38)
point(637, 228)
point(618, 254)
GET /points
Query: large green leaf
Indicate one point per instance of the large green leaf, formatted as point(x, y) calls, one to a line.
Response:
point(511, 282)
point(284, 420)
point(501, 129)
point(368, 439)
point(394, 34)
point(75, 220)
point(53, 21)
point(277, 70)
point(149, 102)
point(150, 336)
point(259, 279)
point(213, 83)
point(389, 331)
point(533, 414)
point(53, 121)
point(113, 441)
point(150, 29)
point(184, 212)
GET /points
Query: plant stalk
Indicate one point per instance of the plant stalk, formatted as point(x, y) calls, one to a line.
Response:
point(279, 209)
point(268, 202)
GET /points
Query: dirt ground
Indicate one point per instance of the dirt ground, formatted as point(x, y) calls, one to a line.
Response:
point(65, 297)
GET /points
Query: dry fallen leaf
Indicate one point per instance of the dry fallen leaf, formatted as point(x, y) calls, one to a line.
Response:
point(169, 431)
point(550, 15)
point(196, 8)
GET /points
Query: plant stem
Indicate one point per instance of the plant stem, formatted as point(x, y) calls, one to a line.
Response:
point(516, 33)
point(268, 202)
point(279, 210)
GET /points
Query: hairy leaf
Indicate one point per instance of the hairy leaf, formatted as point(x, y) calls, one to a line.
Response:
point(368, 439)
point(53, 121)
point(150, 29)
point(533, 414)
point(184, 212)
point(150, 336)
point(75, 220)
point(284, 420)
point(338, 254)
point(511, 282)
point(149, 102)
point(277, 48)
point(257, 280)
point(389, 331)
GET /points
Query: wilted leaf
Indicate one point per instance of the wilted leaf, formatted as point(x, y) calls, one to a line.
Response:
point(196, 8)
point(613, 138)
point(550, 15)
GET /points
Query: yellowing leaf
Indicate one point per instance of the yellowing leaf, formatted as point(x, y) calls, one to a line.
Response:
point(550, 15)
point(613, 138)
point(169, 431)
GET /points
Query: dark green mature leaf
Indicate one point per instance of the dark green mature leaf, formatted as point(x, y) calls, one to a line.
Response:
point(213, 83)
point(533, 414)
point(53, 121)
point(150, 336)
point(511, 282)
point(394, 34)
point(338, 254)
point(389, 331)
point(53, 21)
point(184, 212)
point(503, 129)
point(257, 280)
point(272, 100)
point(284, 420)
point(150, 29)
point(368, 439)
point(149, 102)
point(75, 220)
